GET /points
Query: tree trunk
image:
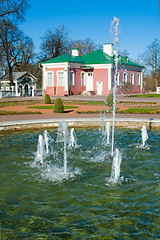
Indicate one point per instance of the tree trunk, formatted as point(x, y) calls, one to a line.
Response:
point(10, 76)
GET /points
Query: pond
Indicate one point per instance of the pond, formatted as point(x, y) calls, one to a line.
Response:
point(41, 202)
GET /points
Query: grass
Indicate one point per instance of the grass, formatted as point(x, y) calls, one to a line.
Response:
point(93, 103)
point(154, 95)
point(50, 107)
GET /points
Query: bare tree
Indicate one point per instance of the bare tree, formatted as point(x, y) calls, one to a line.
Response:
point(14, 46)
point(13, 8)
point(26, 54)
point(151, 59)
point(123, 53)
point(54, 43)
point(85, 46)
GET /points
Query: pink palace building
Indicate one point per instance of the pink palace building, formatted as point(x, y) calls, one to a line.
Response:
point(90, 74)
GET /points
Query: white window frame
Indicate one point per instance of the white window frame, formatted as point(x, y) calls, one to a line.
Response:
point(132, 80)
point(72, 77)
point(138, 80)
point(125, 79)
point(49, 82)
point(60, 85)
point(83, 83)
point(118, 79)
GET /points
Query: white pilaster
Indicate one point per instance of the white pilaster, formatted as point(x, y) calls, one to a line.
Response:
point(109, 77)
point(16, 89)
point(44, 78)
point(66, 79)
point(33, 91)
point(141, 80)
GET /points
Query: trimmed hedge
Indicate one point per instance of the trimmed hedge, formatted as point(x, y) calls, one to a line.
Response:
point(109, 100)
point(58, 106)
point(94, 112)
point(47, 99)
point(140, 111)
point(3, 112)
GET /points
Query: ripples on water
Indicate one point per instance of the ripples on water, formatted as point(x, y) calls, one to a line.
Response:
point(41, 203)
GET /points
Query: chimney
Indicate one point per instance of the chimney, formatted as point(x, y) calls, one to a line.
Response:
point(75, 52)
point(108, 49)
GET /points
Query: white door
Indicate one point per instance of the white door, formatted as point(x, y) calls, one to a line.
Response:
point(99, 87)
point(89, 82)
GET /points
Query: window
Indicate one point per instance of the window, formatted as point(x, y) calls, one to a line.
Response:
point(49, 79)
point(118, 82)
point(125, 77)
point(132, 79)
point(138, 80)
point(82, 79)
point(60, 79)
point(72, 79)
point(90, 74)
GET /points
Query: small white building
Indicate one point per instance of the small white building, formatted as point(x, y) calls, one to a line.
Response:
point(24, 84)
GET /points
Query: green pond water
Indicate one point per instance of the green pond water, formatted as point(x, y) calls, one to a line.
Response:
point(37, 203)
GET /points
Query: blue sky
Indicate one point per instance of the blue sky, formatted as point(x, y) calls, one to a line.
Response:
point(139, 21)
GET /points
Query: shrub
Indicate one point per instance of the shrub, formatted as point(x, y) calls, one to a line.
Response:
point(109, 100)
point(58, 106)
point(47, 99)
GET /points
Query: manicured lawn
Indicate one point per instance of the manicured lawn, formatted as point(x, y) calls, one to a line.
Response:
point(50, 107)
point(93, 103)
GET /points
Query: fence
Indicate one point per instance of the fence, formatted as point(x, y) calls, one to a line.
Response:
point(158, 90)
point(10, 94)
point(38, 92)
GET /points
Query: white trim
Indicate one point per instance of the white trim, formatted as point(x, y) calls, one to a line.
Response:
point(109, 76)
point(73, 75)
point(125, 80)
point(44, 78)
point(84, 78)
point(132, 83)
point(138, 82)
point(118, 79)
point(141, 80)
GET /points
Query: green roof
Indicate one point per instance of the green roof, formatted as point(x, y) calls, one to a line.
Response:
point(65, 58)
point(96, 57)
point(125, 60)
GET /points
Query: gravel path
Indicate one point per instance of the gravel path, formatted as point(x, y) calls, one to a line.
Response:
point(48, 113)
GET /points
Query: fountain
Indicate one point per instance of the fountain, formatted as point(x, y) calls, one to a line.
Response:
point(115, 31)
point(115, 173)
point(72, 139)
point(63, 136)
point(46, 140)
point(144, 135)
point(108, 131)
point(49, 196)
point(40, 150)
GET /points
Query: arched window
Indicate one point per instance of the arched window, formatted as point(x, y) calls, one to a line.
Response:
point(138, 79)
point(132, 78)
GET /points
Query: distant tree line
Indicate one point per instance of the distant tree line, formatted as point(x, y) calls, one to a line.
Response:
point(17, 51)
